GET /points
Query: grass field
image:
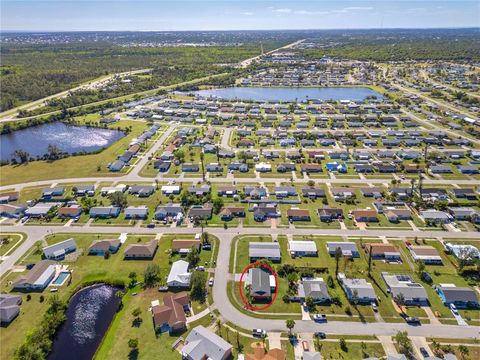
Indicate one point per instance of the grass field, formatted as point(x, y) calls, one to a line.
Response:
point(10, 241)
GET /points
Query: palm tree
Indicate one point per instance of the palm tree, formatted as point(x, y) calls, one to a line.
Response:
point(203, 166)
point(338, 255)
point(400, 300)
point(290, 323)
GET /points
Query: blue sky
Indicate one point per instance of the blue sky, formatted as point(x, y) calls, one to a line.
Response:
point(64, 15)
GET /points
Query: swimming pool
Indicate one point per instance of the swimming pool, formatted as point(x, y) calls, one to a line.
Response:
point(61, 278)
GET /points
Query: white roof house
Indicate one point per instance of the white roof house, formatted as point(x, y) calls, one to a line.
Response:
point(179, 275)
point(170, 189)
point(263, 167)
point(264, 250)
point(302, 248)
point(57, 251)
point(202, 344)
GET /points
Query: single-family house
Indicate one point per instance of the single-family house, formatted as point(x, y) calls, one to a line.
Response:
point(427, 254)
point(461, 297)
point(9, 307)
point(59, 250)
point(203, 212)
point(357, 290)
point(100, 247)
point(104, 212)
point(37, 278)
point(202, 344)
point(327, 214)
point(382, 251)
point(141, 251)
point(264, 250)
point(169, 210)
point(413, 293)
point(171, 315)
point(314, 288)
point(302, 248)
point(179, 277)
point(349, 249)
point(260, 284)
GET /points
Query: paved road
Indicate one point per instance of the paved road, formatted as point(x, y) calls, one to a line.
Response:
point(131, 177)
point(37, 232)
point(245, 63)
point(230, 313)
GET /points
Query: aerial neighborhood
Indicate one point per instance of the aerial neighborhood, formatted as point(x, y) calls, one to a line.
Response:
point(288, 195)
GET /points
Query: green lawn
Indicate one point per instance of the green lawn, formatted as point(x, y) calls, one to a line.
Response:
point(10, 241)
point(332, 350)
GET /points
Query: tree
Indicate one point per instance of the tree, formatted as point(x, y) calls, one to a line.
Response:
point(420, 267)
point(290, 324)
point(404, 342)
point(202, 156)
point(330, 282)
point(199, 287)
point(53, 152)
point(119, 199)
point(355, 296)
point(193, 257)
point(150, 275)
point(343, 344)
point(136, 312)
point(133, 344)
point(400, 300)
point(217, 205)
point(133, 277)
point(466, 256)
point(180, 155)
point(338, 256)
point(463, 351)
point(22, 155)
point(205, 237)
point(310, 302)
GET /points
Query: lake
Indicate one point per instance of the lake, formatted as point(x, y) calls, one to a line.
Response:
point(290, 93)
point(89, 315)
point(69, 138)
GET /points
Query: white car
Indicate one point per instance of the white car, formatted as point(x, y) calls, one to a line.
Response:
point(259, 333)
point(320, 317)
point(454, 309)
point(210, 282)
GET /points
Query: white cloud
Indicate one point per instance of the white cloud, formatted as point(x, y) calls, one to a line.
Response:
point(358, 8)
point(284, 10)
point(246, 13)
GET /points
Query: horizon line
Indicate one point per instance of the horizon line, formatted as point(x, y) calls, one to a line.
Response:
point(233, 30)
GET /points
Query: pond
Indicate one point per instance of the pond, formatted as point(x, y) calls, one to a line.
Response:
point(68, 138)
point(89, 315)
point(290, 93)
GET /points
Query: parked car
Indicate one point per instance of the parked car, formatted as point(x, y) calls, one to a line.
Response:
point(150, 226)
point(426, 277)
point(320, 335)
point(259, 333)
point(424, 352)
point(210, 282)
point(412, 320)
point(454, 309)
point(374, 307)
point(200, 268)
point(305, 346)
point(320, 317)
point(163, 288)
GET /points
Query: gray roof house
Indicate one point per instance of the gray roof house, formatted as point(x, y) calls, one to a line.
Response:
point(179, 277)
point(302, 248)
point(203, 344)
point(165, 211)
point(9, 307)
point(359, 290)
point(141, 190)
point(264, 250)
point(59, 250)
point(136, 212)
point(436, 216)
point(313, 287)
point(349, 249)
point(260, 287)
point(38, 277)
point(413, 292)
point(104, 212)
point(53, 191)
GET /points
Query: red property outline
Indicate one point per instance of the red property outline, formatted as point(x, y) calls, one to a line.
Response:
point(259, 262)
